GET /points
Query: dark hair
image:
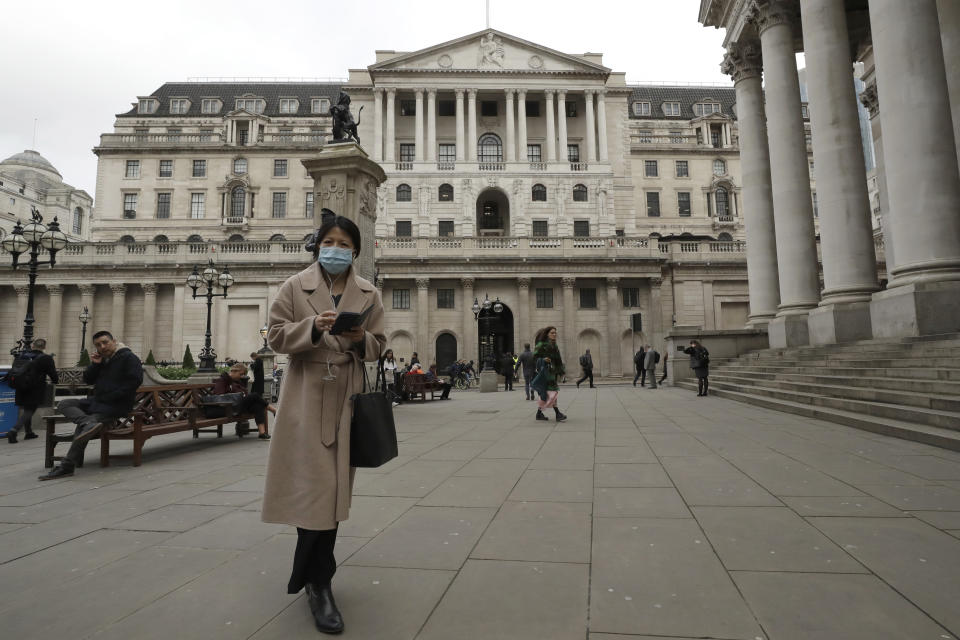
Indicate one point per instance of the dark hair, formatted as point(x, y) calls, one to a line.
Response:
point(542, 335)
point(696, 342)
point(254, 355)
point(340, 222)
point(526, 345)
point(102, 333)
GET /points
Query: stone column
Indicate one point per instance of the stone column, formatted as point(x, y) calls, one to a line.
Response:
point(431, 151)
point(55, 313)
point(523, 312)
point(744, 64)
point(602, 124)
point(568, 337)
point(418, 126)
point(920, 160)
point(551, 150)
point(176, 331)
point(562, 125)
point(391, 143)
point(949, 11)
point(846, 234)
point(522, 124)
point(424, 348)
point(591, 127)
point(149, 317)
point(469, 349)
point(461, 152)
point(378, 124)
point(119, 309)
point(614, 365)
point(655, 332)
point(511, 144)
point(790, 177)
point(472, 125)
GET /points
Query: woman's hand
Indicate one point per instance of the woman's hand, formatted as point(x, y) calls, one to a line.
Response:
point(325, 320)
point(355, 334)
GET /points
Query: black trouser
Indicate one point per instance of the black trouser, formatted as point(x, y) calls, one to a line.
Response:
point(78, 410)
point(508, 383)
point(664, 376)
point(587, 373)
point(25, 420)
point(702, 385)
point(642, 376)
point(313, 560)
point(256, 405)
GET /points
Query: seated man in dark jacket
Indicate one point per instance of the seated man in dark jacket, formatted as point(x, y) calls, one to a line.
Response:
point(115, 374)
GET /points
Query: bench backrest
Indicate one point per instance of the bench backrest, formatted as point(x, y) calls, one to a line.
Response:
point(166, 403)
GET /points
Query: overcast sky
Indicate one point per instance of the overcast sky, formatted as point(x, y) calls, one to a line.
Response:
point(74, 65)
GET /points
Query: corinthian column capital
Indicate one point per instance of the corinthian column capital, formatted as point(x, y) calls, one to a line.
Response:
point(871, 100)
point(743, 61)
point(568, 283)
point(423, 283)
point(523, 282)
point(770, 13)
point(467, 282)
point(54, 289)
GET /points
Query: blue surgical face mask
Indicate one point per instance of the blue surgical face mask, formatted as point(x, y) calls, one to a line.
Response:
point(335, 259)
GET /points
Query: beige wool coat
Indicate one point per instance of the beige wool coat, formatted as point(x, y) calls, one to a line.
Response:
point(309, 478)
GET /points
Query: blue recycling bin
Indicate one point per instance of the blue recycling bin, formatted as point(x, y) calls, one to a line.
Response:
point(8, 410)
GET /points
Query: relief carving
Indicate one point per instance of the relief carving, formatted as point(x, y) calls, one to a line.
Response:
point(492, 51)
point(333, 190)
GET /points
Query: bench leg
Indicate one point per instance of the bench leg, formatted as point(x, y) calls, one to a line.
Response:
point(219, 430)
point(196, 433)
point(50, 445)
point(104, 450)
point(138, 441)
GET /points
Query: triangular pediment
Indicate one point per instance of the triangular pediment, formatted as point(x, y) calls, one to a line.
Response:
point(489, 51)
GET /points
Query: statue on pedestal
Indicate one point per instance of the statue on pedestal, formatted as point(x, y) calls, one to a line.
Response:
point(344, 127)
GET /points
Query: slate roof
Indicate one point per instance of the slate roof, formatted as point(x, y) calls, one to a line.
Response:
point(656, 95)
point(230, 91)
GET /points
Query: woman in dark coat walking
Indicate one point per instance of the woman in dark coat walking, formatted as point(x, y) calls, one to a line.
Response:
point(30, 396)
point(549, 371)
point(700, 363)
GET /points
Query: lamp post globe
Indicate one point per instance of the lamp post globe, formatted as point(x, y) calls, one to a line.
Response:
point(53, 239)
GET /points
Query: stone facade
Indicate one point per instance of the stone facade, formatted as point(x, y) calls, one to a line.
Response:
point(28, 180)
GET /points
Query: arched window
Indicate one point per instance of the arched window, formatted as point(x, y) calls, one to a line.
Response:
point(490, 148)
point(539, 193)
point(161, 238)
point(238, 202)
point(127, 239)
point(723, 203)
point(278, 237)
point(236, 238)
point(77, 220)
point(579, 193)
point(404, 193)
point(719, 167)
point(446, 193)
point(195, 238)
point(725, 237)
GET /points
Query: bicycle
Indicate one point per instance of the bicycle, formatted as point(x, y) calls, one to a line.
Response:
point(461, 382)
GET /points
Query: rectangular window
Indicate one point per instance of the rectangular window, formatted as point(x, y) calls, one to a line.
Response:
point(199, 168)
point(209, 105)
point(404, 229)
point(571, 109)
point(671, 108)
point(631, 297)
point(197, 205)
point(166, 169)
point(641, 108)
point(683, 204)
point(179, 106)
point(289, 105)
point(544, 298)
point(401, 298)
point(129, 205)
point(653, 204)
point(650, 168)
point(279, 204)
point(147, 105)
point(446, 108)
point(133, 169)
point(804, 111)
point(445, 299)
point(581, 228)
point(534, 153)
point(588, 298)
point(573, 153)
point(253, 105)
point(533, 108)
point(163, 205)
point(541, 228)
point(407, 152)
point(408, 107)
point(445, 228)
point(308, 209)
point(488, 108)
point(447, 152)
point(319, 105)
point(279, 168)
point(683, 169)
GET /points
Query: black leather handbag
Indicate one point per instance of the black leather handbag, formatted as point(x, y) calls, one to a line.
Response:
point(373, 434)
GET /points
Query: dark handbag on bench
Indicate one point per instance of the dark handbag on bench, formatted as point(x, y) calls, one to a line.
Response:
point(373, 434)
point(212, 405)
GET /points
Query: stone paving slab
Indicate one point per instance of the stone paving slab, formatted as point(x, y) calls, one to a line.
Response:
point(654, 513)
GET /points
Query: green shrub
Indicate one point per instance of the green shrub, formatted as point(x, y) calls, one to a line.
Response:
point(175, 373)
point(84, 360)
point(222, 370)
point(150, 359)
point(188, 362)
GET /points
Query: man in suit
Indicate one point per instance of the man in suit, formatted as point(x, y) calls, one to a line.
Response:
point(650, 359)
point(638, 365)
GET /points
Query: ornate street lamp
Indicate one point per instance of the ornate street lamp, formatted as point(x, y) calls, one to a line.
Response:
point(486, 305)
point(84, 318)
point(209, 279)
point(33, 237)
point(263, 334)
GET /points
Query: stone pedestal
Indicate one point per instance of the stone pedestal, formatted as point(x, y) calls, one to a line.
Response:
point(917, 309)
point(841, 322)
point(345, 180)
point(488, 381)
point(789, 331)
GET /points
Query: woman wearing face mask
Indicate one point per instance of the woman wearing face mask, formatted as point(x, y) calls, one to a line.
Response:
point(309, 478)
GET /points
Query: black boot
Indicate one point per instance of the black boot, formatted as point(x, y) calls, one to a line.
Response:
point(540, 416)
point(706, 386)
point(30, 435)
point(324, 609)
point(560, 416)
point(12, 437)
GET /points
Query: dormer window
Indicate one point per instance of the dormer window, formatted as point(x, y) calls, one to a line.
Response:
point(289, 105)
point(148, 105)
point(253, 105)
point(706, 108)
point(671, 108)
point(641, 108)
point(179, 106)
point(210, 105)
point(319, 105)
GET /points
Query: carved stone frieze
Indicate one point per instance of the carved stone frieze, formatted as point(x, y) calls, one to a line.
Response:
point(333, 192)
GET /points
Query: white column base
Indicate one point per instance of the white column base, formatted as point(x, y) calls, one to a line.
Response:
point(918, 309)
point(842, 322)
point(789, 331)
point(760, 323)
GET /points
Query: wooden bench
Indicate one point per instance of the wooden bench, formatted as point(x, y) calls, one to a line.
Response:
point(416, 385)
point(157, 410)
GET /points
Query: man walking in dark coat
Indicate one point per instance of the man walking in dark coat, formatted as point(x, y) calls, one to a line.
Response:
point(586, 363)
point(506, 367)
point(115, 374)
point(650, 359)
point(528, 364)
point(256, 368)
point(638, 365)
point(30, 387)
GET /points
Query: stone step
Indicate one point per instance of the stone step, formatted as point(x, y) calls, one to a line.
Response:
point(854, 379)
point(875, 372)
point(940, 402)
point(938, 437)
point(941, 363)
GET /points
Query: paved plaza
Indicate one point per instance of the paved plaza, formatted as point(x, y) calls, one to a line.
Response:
point(649, 514)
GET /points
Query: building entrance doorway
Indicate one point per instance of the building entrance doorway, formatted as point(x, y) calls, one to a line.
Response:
point(495, 334)
point(446, 350)
point(493, 213)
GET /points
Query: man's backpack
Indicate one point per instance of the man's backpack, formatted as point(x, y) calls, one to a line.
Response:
point(656, 357)
point(583, 361)
point(638, 358)
point(20, 376)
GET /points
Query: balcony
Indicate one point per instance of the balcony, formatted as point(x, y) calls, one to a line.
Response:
point(138, 254)
point(446, 166)
point(403, 166)
point(724, 221)
point(234, 221)
point(538, 166)
point(578, 167)
point(491, 166)
point(163, 140)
